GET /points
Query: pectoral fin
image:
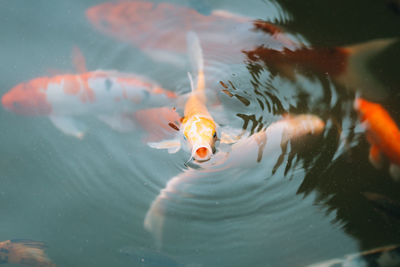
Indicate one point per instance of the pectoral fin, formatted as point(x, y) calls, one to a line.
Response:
point(173, 145)
point(121, 122)
point(68, 126)
point(375, 156)
point(159, 123)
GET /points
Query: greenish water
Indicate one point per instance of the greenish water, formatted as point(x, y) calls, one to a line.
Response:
point(87, 199)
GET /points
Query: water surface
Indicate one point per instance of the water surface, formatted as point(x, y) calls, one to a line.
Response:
point(87, 199)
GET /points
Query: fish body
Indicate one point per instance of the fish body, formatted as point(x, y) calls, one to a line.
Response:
point(198, 130)
point(159, 29)
point(382, 133)
point(109, 95)
point(25, 252)
point(347, 65)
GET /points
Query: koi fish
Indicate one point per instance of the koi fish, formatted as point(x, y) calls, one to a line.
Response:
point(245, 153)
point(25, 252)
point(111, 96)
point(379, 257)
point(382, 133)
point(347, 66)
point(198, 129)
point(159, 30)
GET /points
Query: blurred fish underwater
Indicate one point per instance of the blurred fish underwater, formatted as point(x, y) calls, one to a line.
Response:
point(280, 107)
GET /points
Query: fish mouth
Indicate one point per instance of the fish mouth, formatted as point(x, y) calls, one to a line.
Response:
point(202, 153)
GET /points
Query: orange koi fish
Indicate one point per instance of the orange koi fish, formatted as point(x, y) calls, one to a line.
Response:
point(382, 133)
point(247, 152)
point(111, 96)
point(198, 129)
point(25, 252)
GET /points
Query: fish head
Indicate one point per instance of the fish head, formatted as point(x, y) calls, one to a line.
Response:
point(28, 98)
point(201, 136)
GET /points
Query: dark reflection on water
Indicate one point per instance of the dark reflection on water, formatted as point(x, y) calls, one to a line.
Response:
point(88, 198)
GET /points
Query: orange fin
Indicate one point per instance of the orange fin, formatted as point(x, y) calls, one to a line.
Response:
point(375, 156)
point(78, 60)
point(25, 252)
point(159, 123)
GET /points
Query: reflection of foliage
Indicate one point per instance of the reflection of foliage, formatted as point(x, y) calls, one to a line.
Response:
point(271, 101)
point(336, 164)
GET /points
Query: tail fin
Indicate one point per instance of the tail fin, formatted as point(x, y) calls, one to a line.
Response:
point(196, 59)
point(358, 75)
point(25, 252)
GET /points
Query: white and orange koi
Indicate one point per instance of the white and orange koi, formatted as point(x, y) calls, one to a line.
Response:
point(111, 96)
point(198, 130)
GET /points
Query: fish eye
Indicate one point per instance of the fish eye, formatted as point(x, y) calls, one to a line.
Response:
point(215, 135)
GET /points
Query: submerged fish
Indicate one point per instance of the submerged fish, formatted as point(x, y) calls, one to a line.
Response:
point(25, 252)
point(382, 133)
point(245, 153)
point(110, 96)
point(198, 130)
point(347, 66)
point(388, 256)
point(159, 29)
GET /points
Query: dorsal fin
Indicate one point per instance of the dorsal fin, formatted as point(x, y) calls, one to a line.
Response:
point(78, 60)
point(191, 82)
point(196, 58)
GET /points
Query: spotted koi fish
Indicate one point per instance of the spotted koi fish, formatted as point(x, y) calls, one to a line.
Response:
point(111, 96)
point(25, 252)
point(198, 130)
point(382, 133)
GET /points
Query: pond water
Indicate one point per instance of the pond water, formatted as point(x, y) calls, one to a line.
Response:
point(87, 198)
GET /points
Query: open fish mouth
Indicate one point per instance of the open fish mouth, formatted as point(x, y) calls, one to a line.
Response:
point(202, 153)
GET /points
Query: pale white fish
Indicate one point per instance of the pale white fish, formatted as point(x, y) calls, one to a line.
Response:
point(245, 153)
